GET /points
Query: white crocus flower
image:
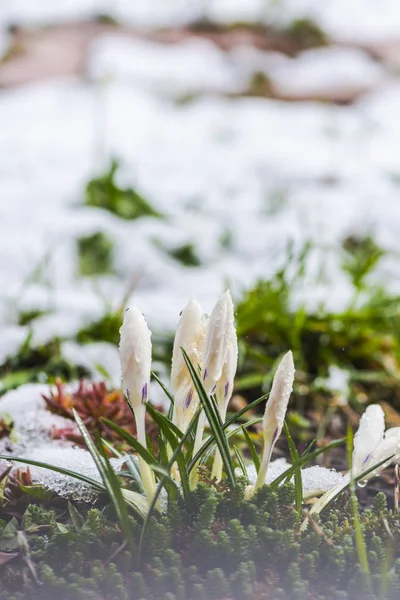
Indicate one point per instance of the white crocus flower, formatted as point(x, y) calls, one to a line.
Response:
point(216, 347)
point(371, 446)
point(135, 356)
point(189, 335)
point(275, 411)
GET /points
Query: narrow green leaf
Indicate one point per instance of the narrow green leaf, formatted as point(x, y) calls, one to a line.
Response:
point(360, 541)
point(97, 485)
point(111, 448)
point(110, 480)
point(178, 449)
point(214, 420)
point(153, 412)
point(169, 433)
point(252, 449)
point(133, 468)
point(163, 387)
point(241, 463)
point(207, 449)
point(137, 446)
point(210, 440)
point(298, 483)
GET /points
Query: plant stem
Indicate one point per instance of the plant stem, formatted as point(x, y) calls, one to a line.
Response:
point(145, 471)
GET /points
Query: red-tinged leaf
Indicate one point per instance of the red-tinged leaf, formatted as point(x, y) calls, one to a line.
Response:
point(5, 557)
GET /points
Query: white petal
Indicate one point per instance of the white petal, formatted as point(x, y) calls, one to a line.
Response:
point(278, 400)
point(388, 449)
point(135, 355)
point(218, 337)
point(393, 431)
point(190, 336)
point(368, 437)
point(225, 384)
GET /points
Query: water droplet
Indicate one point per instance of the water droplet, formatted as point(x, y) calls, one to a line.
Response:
point(362, 483)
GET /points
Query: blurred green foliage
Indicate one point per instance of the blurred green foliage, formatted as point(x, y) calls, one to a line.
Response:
point(363, 339)
point(126, 203)
point(95, 254)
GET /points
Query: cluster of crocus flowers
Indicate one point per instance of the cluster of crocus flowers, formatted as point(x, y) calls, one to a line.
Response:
point(211, 344)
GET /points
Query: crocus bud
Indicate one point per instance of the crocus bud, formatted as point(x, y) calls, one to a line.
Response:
point(135, 356)
point(217, 344)
point(217, 341)
point(224, 386)
point(275, 411)
point(189, 336)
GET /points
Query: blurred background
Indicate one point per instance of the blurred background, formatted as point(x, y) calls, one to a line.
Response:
point(154, 151)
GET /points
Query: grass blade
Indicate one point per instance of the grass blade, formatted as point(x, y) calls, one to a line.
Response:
point(110, 480)
point(241, 463)
point(252, 449)
point(360, 541)
point(298, 483)
point(178, 449)
point(97, 485)
point(214, 419)
point(163, 387)
point(211, 440)
point(137, 446)
point(165, 427)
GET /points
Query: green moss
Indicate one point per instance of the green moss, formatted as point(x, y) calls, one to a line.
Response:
point(210, 551)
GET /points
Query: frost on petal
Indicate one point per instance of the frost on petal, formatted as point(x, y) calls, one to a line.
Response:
point(217, 340)
point(388, 449)
point(278, 400)
point(135, 355)
point(368, 437)
point(224, 387)
point(190, 336)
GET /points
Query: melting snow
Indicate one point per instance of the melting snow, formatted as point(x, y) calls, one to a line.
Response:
point(316, 480)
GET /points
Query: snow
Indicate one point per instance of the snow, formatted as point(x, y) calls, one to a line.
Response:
point(325, 71)
point(316, 480)
point(261, 171)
